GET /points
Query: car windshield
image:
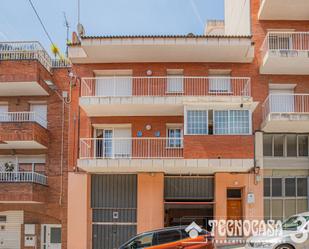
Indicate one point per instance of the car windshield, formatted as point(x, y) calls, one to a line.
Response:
point(294, 223)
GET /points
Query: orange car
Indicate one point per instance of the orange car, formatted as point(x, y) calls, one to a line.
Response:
point(170, 238)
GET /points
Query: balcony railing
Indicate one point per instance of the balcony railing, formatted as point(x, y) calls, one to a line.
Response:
point(131, 148)
point(122, 86)
point(286, 44)
point(31, 50)
point(22, 117)
point(32, 177)
point(285, 104)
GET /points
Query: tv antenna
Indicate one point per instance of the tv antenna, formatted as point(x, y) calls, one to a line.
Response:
point(67, 25)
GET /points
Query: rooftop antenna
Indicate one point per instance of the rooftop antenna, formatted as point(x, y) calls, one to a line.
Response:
point(80, 27)
point(67, 25)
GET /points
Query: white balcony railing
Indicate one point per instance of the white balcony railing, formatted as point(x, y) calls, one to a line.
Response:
point(285, 104)
point(131, 148)
point(123, 86)
point(32, 177)
point(22, 117)
point(286, 44)
point(31, 50)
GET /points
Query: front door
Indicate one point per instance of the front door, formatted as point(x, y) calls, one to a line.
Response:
point(234, 210)
point(51, 236)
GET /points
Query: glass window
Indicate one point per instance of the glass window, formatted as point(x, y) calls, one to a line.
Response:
point(239, 122)
point(290, 187)
point(278, 145)
point(221, 122)
point(55, 235)
point(276, 187)
point(303, 145)
point(302, 187)
point(142, 241)
point(2, 218)
point(168, 236)
point(267, 187)
point(174, 137)
point(267, 145)
point(232, 122)
point(197, 122)
point(291, 143)
point(234, 193)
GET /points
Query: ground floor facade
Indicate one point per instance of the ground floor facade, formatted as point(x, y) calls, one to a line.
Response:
point(114, 207)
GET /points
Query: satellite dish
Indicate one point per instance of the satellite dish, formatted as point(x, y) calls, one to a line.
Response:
point(80, 29)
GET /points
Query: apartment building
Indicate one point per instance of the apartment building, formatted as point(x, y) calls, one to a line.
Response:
point(167, 130)
point(281, 31)
point(33, 147)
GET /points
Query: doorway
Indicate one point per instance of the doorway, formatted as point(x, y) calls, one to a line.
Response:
point(234, 209)
point(51, 236)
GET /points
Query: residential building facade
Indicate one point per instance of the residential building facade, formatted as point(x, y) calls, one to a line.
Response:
point(33, 147)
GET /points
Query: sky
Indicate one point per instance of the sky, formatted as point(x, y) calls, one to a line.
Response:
point(105, 17)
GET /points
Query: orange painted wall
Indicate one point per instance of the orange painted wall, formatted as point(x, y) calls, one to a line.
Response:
point(244, 181)
point(150, 205)
point(78, 211)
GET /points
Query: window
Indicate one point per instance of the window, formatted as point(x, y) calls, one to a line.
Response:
point(302, 188)
point(174, 81)
point(289, 145)
point(174, 137)
point(280, 41)
point(55, 235)
point(197, 122)
point(268, 145)
point(302, 145)
point(234, 193)
point(276, 187)
point(219, 81)
point(2, 218)
point(168, 236)
point(232, 122)
point(278, 145)
point(267, 187)
point(142, 241)
point(290, 187)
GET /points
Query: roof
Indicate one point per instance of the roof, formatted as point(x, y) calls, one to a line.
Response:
point(85, 37)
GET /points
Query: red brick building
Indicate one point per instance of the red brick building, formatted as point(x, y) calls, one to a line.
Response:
point(33, 147)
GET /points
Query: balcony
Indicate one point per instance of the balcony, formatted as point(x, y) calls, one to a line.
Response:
point(22, 79)
point(286, 113)
point(151, 154)
point(150, 96)
point(24, 183)
point(285, 53)
point(23, 130)
point(284, 10)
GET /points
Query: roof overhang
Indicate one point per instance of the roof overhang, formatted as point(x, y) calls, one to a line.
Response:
point(163, 49)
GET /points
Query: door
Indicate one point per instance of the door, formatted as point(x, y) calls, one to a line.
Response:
point(234, 209)
point(51, 236)
point(10, 229)
point(40, 111)
point(281, 100)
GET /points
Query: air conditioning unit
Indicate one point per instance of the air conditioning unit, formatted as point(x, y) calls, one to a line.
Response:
point(2, 227)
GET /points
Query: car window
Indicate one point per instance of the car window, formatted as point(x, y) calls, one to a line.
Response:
point(142, 241)
point(165, 237)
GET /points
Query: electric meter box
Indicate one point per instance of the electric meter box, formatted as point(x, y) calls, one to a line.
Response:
point(30, 240)
point(29, 229)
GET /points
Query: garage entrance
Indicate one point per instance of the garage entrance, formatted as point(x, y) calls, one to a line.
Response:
point(113, 203)
point(188, 199)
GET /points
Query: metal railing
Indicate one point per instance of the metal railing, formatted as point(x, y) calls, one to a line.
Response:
point(130, 148)
point(286, 44)
point(22, 117)
point(31, 50)
point(123, 86)
point(32, 177)
point(285, 104)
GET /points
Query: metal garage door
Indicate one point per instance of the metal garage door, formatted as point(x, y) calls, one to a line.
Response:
point(188, 188)
point(113, 202)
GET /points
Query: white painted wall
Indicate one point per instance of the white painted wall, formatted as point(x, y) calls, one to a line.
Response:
point(237, 17)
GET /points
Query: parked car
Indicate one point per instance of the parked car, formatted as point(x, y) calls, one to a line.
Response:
point(170, 238)
point(296, 226)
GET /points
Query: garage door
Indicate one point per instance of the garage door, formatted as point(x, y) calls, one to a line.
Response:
point(10, 229)
point(113, 202)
